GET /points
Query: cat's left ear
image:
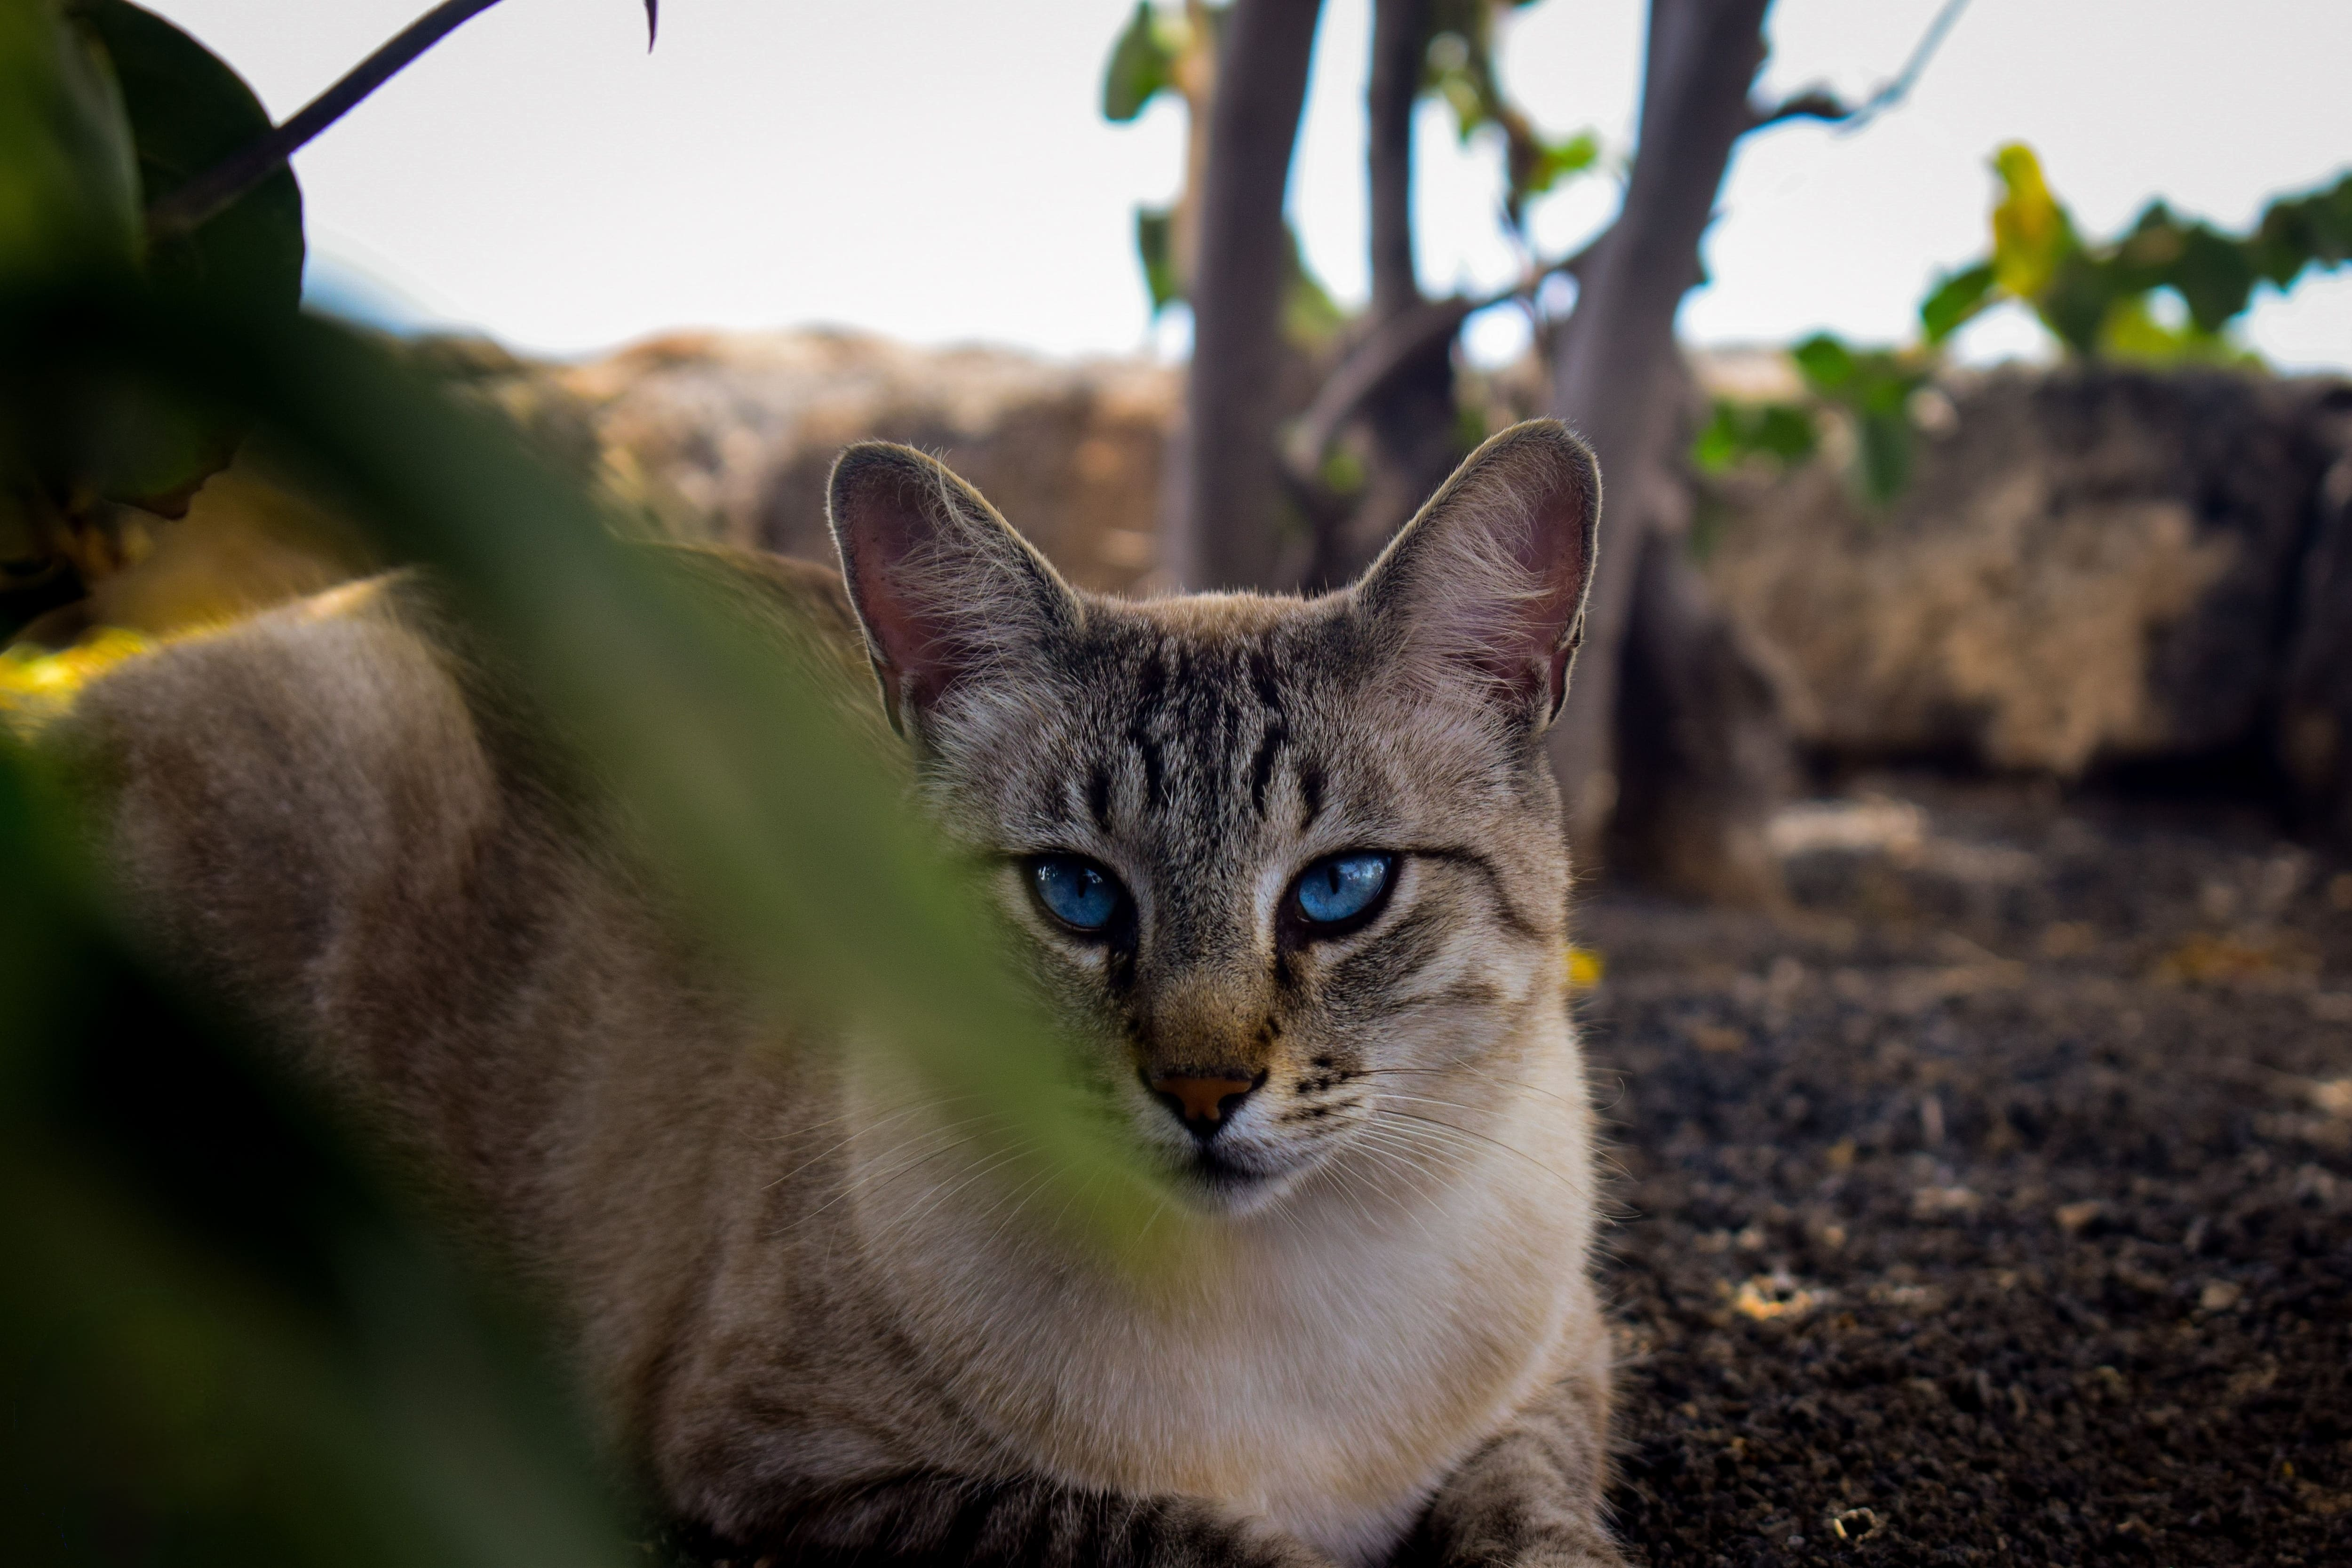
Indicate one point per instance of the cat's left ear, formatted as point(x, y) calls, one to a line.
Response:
point(1486, 587)
point(946, 592)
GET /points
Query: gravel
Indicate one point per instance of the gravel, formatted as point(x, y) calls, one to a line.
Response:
point(1995, 1204)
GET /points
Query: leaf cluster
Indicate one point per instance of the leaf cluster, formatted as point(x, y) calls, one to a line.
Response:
point(1872, 390)
point(1460, 67)
point(2096, 299)
point(114, 108)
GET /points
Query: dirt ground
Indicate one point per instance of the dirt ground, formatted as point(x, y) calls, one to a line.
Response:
point(1996, 1207)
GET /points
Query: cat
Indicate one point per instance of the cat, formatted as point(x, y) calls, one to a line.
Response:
point(1293, 865)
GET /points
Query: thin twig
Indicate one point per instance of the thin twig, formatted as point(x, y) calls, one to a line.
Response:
point(1899, 89)
point(205, 196)
point(1375, 359)
point(1819, 103)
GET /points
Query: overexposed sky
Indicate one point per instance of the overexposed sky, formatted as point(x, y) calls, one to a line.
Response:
point(939, 170)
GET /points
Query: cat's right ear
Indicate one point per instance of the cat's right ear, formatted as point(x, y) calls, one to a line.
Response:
point(946, 592)
point(1486, 588)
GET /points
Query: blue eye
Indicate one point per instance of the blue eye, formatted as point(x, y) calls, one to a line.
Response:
point(1076, 891)
point(1343, 887)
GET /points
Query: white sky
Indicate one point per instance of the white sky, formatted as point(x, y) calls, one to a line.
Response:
point(939, 170)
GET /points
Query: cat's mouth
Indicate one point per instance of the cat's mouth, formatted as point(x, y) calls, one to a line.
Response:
point(1235, 1181)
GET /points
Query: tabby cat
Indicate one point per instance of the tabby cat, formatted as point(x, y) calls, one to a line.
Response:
point(1292, 864)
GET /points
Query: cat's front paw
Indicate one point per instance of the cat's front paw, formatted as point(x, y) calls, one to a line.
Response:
point(1264, 1545)
point(1586, 1555)
point(1579, 1549)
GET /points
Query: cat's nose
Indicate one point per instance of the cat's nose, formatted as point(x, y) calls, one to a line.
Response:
point(1205, 1101)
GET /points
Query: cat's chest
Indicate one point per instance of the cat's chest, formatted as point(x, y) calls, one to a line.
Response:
point(1327, 1375)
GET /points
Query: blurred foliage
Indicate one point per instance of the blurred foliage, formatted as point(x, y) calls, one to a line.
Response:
point(112, 106)
point(1461, 68)
point(1171, 48)
point(225, 1338)
point(1868, 391)
point(1144, 59)
point(2100, 301)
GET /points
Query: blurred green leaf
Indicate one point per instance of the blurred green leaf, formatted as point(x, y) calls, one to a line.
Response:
point(1142, 66)
point(1558, 160)
point(2032, 233)
point(1734, 433)
point(1826, 363)
point(2215, 275)
point(68, 175)
point(1311, 317)
point(1885, 439)
point(2074, 300)
point(189, 110)
point(184, 111)
point(1955, 301)
point(1155, 246)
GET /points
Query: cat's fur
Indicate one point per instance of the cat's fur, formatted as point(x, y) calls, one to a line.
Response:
point(822, 1330)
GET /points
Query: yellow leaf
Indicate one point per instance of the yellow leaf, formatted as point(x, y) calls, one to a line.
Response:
point(2031, 232)
point(1584, 968)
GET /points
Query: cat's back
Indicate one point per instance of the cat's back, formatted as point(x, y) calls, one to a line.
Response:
point(344, 819)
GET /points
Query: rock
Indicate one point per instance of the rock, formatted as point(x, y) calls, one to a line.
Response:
point(743, 429)
point(2314, 720)
point(2089, 566)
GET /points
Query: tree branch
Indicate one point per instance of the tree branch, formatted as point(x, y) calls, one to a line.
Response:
point(1820, 103)
point(1814, 103)
point(1225, 529)
point(207, 195)
point(1400, 39)
point(1393, 343)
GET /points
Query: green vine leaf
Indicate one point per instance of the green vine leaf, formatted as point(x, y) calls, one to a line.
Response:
point(186, 110)
point(1141, 66)
point(68, 175)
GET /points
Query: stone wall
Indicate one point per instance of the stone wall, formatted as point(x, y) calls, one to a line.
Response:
point(2089, 568)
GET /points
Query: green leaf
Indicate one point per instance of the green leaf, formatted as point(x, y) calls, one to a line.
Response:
point(1155, 243)
point(69, 178)
point(2301, 231)
point(2032, 233)
point(1956, 299)
point(2215, 274)
point(1786, 431)
point(1783, 433)
point(1882, 458)
point(1558, 160)
point(1311, 317)
point(1826, 363)
point(189, 110)
point(1140, 68)
point(2075, 299)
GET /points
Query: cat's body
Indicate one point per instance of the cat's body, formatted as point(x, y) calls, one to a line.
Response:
point(820, 1324)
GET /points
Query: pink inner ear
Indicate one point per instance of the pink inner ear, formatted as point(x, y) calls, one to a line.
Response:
point(944, 589)
point(1495, 572)
point(886, 525)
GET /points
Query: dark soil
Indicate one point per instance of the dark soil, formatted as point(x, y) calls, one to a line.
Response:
point(1994, 1207)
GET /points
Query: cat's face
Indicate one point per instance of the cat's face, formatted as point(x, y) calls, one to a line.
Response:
point(1292, 868)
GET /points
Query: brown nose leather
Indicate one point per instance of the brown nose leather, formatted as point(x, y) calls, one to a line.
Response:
point(1202, 1099)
